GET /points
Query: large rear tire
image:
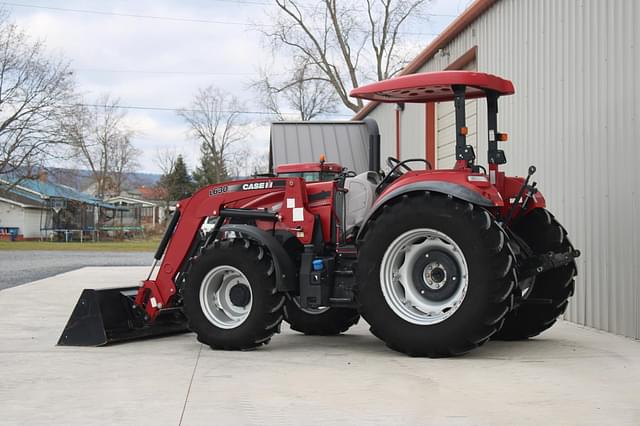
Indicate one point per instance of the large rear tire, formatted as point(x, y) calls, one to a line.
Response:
point(542, 233)
point(435, 275)
point(230, 297)
point(321, 321)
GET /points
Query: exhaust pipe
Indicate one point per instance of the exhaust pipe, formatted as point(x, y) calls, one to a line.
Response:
point(374, 144)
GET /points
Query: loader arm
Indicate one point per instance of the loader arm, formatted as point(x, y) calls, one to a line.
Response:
point(220, 200)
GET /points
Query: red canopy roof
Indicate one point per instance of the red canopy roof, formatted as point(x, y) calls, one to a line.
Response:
point(433, 87)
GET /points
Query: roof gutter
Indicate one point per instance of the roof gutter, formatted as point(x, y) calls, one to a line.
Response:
point(465, 19)
point(22, 205)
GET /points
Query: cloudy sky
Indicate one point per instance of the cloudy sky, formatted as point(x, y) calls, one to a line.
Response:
point(154, 54)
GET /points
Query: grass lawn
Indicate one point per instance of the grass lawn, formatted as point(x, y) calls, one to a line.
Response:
point(134, 245)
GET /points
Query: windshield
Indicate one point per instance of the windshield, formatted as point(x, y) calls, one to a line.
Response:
point(311, 176)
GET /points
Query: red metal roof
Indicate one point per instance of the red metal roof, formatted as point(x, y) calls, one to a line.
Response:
point(433, 87)
point(152, 193)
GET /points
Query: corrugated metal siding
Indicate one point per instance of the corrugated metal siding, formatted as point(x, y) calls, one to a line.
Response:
point(412, 137)
point(575, 113)
point(385, 117)
point(346, 143)
point(446, 131)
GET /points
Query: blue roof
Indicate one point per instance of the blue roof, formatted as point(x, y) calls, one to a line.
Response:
point(53, 190)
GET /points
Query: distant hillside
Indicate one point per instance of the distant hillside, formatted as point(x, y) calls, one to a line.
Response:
point(82, 179)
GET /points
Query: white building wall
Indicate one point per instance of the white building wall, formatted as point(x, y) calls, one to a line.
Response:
point(446, 131)
point(28, 220)
point(574, 115)
point(385, 116)
point(11, 215)
point(32, 219)
point(412, 137)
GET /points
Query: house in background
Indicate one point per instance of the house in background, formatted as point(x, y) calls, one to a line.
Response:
point(144, 206)
point(21, 214)
point(39, 209)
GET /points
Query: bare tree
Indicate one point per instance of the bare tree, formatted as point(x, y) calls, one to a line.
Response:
point(215, 120)
point(339, 43)
point(166, 159)
point(124, 161)
point(248, 161)
point(308, 94)
point(259, 163)
point(237, 162)
point(101, 141)
point(33, 91)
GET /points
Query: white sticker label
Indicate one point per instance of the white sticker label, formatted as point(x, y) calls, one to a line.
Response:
point(291, 203)
point(153, 301)
point(492, 176)
point(298, 214)
point(492, 135)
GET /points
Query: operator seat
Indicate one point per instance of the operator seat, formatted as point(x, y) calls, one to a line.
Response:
point(359, 198)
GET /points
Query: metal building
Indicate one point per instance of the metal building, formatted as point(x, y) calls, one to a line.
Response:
point(574, 114)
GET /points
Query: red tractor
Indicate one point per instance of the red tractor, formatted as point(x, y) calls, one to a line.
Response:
point(436, 261)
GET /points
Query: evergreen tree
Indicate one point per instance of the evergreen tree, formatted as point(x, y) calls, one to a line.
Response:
point(211, 169)
point(178, 183)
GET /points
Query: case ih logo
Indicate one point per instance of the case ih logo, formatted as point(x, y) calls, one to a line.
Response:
point(246, 187)
point(257, 185)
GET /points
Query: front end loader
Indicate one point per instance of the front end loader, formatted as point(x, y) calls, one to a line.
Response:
point(436, 261)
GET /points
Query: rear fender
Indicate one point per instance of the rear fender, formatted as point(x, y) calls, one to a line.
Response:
point(285, 270)
point(510, 188)
point(454, 190)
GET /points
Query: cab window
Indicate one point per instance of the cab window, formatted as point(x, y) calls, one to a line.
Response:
point(311, 176)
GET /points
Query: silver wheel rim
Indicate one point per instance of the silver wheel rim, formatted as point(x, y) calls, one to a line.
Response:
point(411, 299)
point(216, 300)
point(311, 311)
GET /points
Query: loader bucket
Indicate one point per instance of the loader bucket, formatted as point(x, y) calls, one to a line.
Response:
point(108, 315)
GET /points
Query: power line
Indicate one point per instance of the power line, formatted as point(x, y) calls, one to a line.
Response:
point(161, 18)
point(173, 109)
point(245, 2)
point(438, 15)
point(257, 3)
point(123, 15)
point(125, 71)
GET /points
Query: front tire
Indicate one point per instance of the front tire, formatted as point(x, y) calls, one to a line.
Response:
point(230, 297)
point(435, 275)
point(320, 321)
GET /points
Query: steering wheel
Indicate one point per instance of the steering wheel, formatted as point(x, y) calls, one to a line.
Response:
point(394, 164)
point(395, 171)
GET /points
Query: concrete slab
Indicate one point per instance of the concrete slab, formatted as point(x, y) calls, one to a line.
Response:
point(570, 375)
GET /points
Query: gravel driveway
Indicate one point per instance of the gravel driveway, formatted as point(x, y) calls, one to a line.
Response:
point(20, 267)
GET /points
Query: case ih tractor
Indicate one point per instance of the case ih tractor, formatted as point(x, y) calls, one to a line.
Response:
point(436, 261)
